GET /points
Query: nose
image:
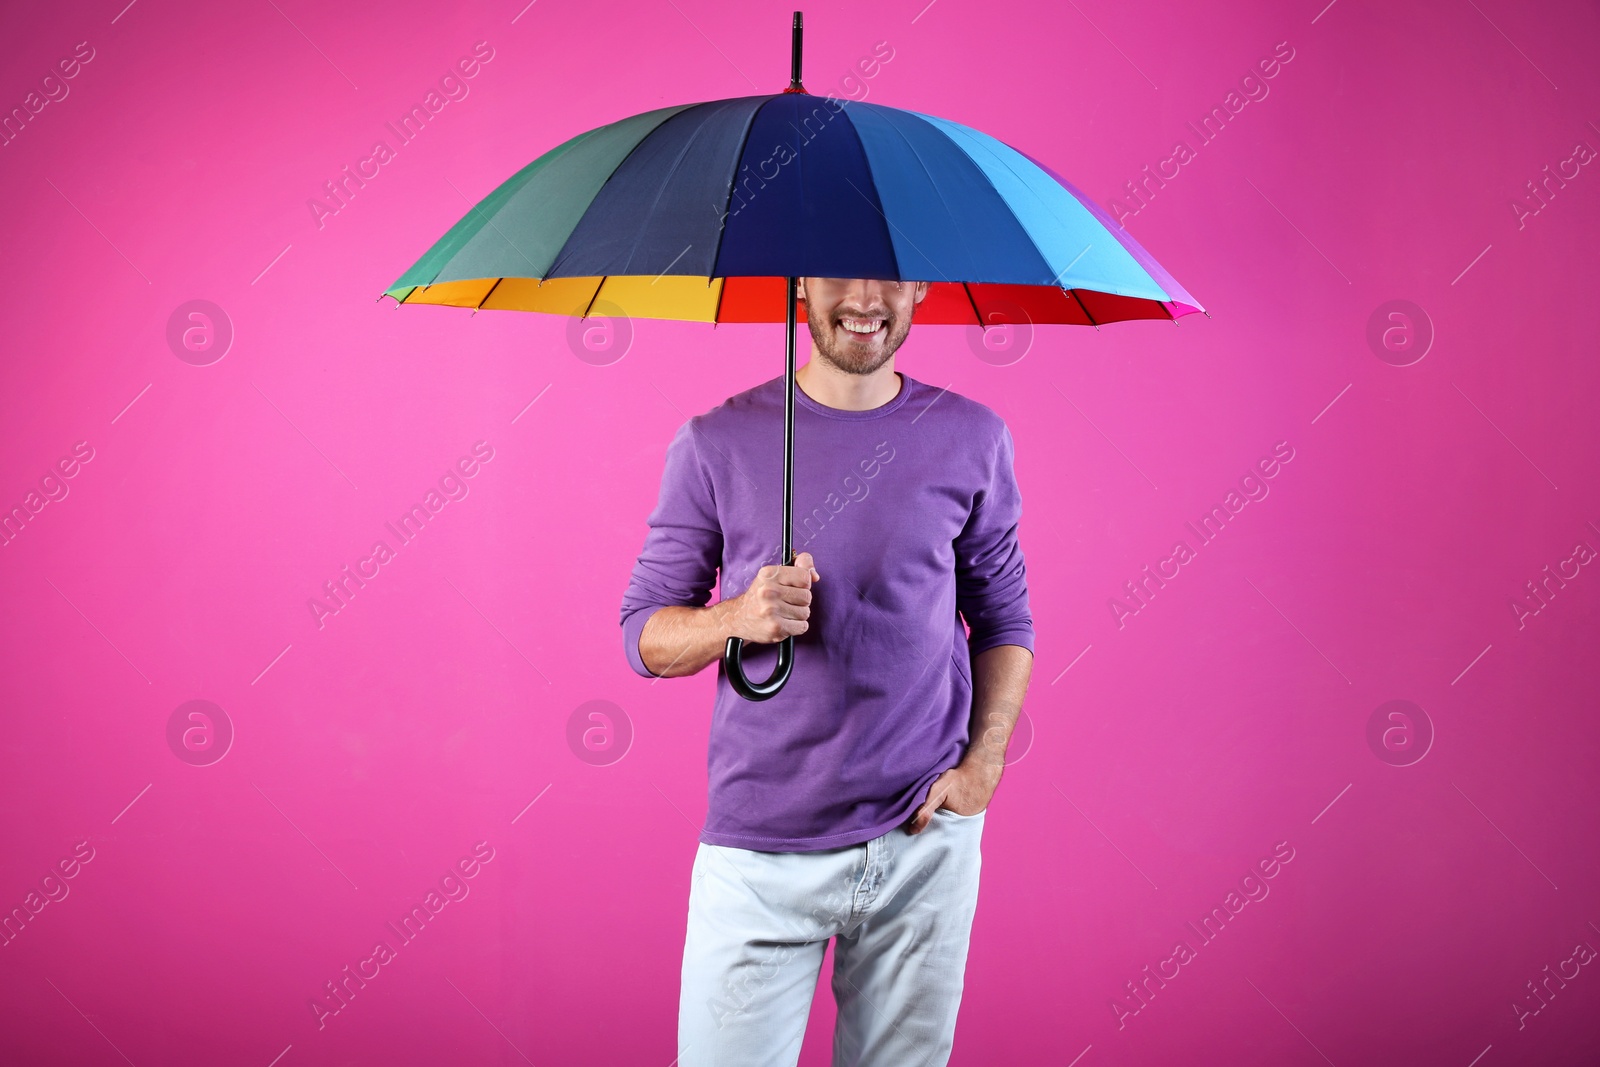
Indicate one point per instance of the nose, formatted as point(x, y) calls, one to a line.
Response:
point(868, 297)
point(873, 290)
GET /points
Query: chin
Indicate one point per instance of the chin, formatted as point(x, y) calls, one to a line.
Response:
point(855, 365)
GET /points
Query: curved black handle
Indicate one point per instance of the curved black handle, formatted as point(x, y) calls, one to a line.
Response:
point(733, 652)
point(732, 657)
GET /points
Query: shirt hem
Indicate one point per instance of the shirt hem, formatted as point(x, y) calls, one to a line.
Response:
point(632, 631)
point(806, 844)
point(1023, 637)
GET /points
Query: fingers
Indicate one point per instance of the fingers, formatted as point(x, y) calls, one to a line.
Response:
point(795, 577)
point(792, 594)
point(781, 596)
point(804, 560)
point(802, 572)
point(778, 602)
point(919, 818)
point(924, 813)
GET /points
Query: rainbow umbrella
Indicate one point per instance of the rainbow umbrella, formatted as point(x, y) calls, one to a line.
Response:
point(709, 212)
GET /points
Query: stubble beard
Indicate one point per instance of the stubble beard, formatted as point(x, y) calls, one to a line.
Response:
point(848, 357)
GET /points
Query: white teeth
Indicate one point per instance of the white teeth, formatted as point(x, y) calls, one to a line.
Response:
point(866, 328)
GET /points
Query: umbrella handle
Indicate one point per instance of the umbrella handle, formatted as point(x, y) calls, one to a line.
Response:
point(733, 653)
point(732, 657)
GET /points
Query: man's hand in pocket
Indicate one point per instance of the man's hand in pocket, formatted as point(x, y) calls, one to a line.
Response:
point(965, 789)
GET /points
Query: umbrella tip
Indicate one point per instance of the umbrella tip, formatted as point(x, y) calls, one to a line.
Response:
point(794, 56)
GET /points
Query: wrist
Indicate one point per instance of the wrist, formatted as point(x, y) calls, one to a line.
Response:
point(722, 615)
point(984, 764)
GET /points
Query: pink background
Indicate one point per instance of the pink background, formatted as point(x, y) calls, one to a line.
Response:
point(1168, 755)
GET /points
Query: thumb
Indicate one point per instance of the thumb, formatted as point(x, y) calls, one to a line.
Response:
point(804, 560)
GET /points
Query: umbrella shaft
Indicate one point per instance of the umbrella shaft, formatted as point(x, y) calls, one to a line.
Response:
point(733, 651)
point(788, 423)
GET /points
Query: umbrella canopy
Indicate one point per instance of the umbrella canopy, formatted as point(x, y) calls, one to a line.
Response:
point(701, 211)
point(709, 212)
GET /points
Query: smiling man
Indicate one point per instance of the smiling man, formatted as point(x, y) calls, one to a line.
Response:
point(850, 806)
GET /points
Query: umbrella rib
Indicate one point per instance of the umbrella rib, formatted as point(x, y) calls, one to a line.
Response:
point(1085, 309)
point(559, 261)
point(911, 149)
point(984, 177)
point(487, 295)
point(976, 314)
point(887, 223)
point(661, 188)
point(733, 184)
point(592, 296)
point(980, 139)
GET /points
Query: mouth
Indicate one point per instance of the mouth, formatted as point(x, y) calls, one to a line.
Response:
point(863, 330)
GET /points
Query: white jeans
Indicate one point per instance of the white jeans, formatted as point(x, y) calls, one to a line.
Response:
point(900, 910)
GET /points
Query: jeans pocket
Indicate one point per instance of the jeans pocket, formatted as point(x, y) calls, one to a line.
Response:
point(957, 815)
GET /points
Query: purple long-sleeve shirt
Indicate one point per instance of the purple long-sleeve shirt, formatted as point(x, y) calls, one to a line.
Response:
point(910, 512)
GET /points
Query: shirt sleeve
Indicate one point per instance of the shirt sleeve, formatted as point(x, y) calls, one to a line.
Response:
point(681, 552)
point(991, 577)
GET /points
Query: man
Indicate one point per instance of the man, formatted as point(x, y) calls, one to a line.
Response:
point(849, 806)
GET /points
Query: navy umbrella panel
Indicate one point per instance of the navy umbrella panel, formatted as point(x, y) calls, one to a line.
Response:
point(711, 211)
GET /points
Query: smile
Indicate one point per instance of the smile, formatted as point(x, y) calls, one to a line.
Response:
point(862, 327)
